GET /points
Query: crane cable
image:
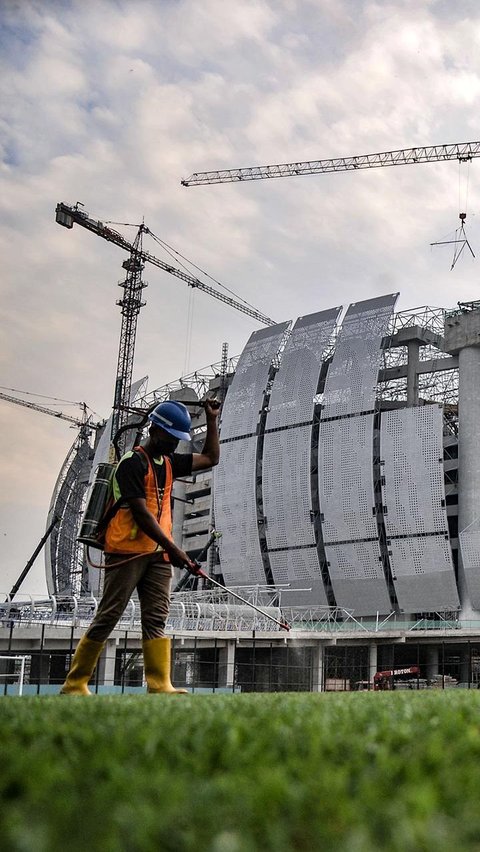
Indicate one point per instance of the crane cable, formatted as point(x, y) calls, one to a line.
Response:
point(43, 396)
point(169, 249)
point(174, 254)
point(467, 187)
point(57, 400)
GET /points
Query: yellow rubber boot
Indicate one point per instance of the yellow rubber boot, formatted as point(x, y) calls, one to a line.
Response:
point(81, 668)
point(157, 662)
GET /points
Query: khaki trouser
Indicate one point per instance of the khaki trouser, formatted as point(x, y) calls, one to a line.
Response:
point(151, 577)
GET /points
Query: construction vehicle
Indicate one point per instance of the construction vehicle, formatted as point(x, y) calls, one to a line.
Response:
point(388, 679)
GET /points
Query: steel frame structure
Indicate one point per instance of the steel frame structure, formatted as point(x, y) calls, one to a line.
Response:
point(66, 570)
point(65, 555)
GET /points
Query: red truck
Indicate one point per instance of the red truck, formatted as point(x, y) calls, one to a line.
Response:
point(385, 680)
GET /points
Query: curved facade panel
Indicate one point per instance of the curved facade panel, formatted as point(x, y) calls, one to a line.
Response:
point(287, 498)
point(414, 508)
point(300, 570)
point(352, 376)
point(423, 575)
point(236, 513)
point(245, 395)
point(412, 464)
point(357, 577)
point(235, 478)
point(345, 460)
point(345, 463)
point(296, 382)
point(286, 468)
point(469, 540)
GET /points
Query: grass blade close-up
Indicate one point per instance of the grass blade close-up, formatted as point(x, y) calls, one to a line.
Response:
point(379, 771)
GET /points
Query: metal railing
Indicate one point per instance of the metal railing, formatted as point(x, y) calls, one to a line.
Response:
point(216, 611)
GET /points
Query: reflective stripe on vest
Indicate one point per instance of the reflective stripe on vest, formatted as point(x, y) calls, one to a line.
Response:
point(123, 535)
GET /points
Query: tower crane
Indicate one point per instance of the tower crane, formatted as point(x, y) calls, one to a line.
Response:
point(461, 151)
point(86, 426)
point(131, 303)
point(84, 421)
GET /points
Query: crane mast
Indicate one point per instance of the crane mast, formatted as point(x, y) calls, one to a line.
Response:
point(462, 151)
point(130, 303)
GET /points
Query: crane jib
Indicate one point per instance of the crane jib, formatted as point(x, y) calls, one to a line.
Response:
point(67, 216)
point(461, 151)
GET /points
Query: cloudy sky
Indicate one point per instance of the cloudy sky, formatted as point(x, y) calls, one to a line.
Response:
point(113, 103)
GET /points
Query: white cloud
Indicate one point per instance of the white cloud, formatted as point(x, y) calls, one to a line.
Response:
point(113, 103)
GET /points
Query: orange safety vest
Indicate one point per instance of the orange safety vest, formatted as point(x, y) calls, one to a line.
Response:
point(123, 535)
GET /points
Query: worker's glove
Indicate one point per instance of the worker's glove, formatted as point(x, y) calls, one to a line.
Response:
point(193, 568)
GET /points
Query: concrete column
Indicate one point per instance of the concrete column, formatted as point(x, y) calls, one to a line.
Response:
point(413, 350)
point(372, 661)
point(432, 661)
point(106, 663)
point(465, 667)
point(468, 452)
point(226, 664)
point(317, 667)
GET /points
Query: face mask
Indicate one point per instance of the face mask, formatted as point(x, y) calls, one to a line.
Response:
point(165, 443)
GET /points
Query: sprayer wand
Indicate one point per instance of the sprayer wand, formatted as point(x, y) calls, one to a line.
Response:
point(199, 572)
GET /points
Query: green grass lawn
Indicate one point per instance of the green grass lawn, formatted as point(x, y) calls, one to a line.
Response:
point(241, 773)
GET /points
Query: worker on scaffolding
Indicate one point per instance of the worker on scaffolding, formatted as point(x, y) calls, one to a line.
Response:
point(139, 549)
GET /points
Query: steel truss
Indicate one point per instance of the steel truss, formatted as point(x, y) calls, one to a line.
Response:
point(198, 381)
point(435, 385)
point(212, 611)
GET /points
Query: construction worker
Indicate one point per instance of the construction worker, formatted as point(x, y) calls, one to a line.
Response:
point(139, 549)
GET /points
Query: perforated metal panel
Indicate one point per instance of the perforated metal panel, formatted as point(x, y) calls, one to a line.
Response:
point(286, 487)
point(415, 516)
point(244, 398)
point(422, 573)
point(296, 382)
point(352, 377)
point(300, 569)
point(469, 540)
point(357, 577)
point(345, 476)
point(236, 513)
point(411, 450)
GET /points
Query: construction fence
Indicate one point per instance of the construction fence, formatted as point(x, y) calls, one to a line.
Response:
point(36, 663)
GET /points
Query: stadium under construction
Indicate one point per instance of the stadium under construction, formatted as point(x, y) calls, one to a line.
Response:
point(347, 498)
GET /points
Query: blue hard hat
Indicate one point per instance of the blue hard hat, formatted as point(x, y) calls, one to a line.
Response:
point(172, 417)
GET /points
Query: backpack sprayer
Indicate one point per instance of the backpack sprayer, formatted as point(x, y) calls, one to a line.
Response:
point(98, 513)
